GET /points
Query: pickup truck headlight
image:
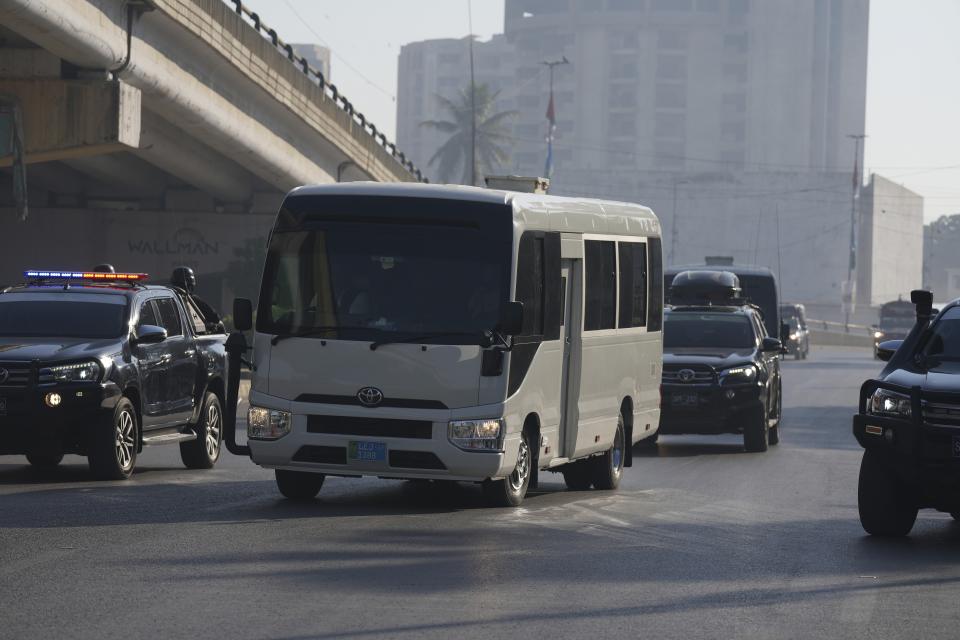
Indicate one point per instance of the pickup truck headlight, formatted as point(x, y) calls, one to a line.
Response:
point(89, 371)
point(477, 435)
point(267, 424)
point(889, 403)
point(739, 375)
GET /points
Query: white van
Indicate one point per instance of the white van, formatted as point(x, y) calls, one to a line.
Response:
point(455, 333)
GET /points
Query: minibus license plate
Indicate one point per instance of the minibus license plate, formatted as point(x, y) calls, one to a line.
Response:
point(367, 451)
point(684, 399)
point(956, 446)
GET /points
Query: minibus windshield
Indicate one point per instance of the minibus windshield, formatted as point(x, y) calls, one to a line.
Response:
point(374, 281)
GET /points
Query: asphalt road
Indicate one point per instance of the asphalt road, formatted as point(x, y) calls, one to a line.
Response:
point(702, 540)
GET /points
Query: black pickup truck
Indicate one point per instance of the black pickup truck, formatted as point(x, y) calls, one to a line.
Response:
point(101, 364)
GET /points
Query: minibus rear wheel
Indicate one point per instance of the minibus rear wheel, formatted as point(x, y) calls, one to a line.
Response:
point(299, 485)
point(608, 467)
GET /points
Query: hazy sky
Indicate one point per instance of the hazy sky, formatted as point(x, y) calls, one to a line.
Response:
point(913, 94)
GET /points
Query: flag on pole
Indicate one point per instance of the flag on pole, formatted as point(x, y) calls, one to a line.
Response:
point(552, 119)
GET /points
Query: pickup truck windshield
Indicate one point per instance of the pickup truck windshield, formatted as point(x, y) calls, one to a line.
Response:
point(944, 343)
point(707, 330)
point(383, 281)
point(62, 315)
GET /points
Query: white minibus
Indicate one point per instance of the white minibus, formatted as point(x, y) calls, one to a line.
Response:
point(453, 333)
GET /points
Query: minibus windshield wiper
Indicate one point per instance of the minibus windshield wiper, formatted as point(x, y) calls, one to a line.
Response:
point(306, 333)
point(481, 337)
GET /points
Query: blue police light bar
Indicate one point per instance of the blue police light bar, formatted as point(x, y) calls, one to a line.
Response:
point(83, 275)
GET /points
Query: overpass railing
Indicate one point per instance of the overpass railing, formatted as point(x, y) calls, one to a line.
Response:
point(328, 88)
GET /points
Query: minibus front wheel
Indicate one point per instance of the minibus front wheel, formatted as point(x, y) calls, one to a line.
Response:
point(510, 491)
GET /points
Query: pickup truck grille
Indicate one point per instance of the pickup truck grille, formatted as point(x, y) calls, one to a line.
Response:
point(942, 414)
point(701, 374)
point(14, 375)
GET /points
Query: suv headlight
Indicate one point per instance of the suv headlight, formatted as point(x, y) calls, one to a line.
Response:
point(89, 371)
point(477, 435)
point(889, 403)
point(267, 424)
point(738, 375)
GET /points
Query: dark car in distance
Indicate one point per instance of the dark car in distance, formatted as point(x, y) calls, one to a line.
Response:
point(797, 338)
point(909, 424)
point(100, 364)
point(721, 371)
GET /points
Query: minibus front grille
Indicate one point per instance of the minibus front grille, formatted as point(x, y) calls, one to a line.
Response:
point(321, 455)
point(415, 460)
point(353, 401)
point(370, 427)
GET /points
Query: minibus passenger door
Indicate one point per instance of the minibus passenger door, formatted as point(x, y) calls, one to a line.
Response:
point(570, 279)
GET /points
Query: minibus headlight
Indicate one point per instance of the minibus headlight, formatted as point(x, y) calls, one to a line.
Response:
point(889, 403)
point(267, 424)
point(477, 435)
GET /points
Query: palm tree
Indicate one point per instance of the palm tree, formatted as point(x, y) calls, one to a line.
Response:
point(453, 157)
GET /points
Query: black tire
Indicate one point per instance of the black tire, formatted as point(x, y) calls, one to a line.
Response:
point(755, 431)
point(510, 491)
point(773, 433)
point(299, 485)
point(607, 469)
point(887, 506)
point(204, 452)
point(44, 460)
point(649, 443)
point(576, 475)
point(113, 445)
point(955, 515)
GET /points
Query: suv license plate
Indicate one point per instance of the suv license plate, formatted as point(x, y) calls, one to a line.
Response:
point(367, 451)
point(956, 446)
point(684, 399)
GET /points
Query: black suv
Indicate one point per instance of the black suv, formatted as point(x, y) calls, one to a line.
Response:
point(797, 336)
point(721, 371)
point(99, 364)
point(909, 424)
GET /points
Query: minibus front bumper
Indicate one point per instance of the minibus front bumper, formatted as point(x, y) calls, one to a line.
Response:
point(347, 440)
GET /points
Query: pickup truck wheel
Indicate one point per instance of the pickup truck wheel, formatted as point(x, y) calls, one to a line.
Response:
point(885, 503)
point(755, 431)
point(773, 434)
point(299, 485)
point(113, 446)
point(607, 469)
point(44, 460)
point(203, 452)
point(510, 491)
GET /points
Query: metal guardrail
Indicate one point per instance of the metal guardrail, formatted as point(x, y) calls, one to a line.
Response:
point(328, 88)
point(839, 327)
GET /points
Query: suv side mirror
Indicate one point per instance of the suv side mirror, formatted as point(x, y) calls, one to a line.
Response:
point(242, 314)
point(886, 349)
point(511, 318)
point(149, 334)
point(771, 344)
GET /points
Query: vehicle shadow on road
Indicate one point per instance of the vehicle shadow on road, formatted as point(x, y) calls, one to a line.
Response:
point(680, 449)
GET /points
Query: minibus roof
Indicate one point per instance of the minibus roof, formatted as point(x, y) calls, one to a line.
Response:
point(521, 202)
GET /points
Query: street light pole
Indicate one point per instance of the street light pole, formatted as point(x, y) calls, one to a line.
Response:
point(850, 295)
point(674, 227)
point(473, 103)
point(551, 114)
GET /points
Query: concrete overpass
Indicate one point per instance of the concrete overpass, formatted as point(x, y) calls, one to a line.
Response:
point(170, 124)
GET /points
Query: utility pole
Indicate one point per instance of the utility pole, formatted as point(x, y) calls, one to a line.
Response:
point(674, 227)
point(850, 294)
point(473, 103)
point(551, 115)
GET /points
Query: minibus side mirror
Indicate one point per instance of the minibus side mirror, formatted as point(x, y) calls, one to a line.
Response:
point(511, 318)
point(242, 314)
point(885, 350)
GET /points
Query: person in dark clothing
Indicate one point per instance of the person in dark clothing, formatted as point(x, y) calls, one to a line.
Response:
point(184, 279)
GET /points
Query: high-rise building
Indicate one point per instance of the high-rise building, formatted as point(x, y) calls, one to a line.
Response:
point(317, 56)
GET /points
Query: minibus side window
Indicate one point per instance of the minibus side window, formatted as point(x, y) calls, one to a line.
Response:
point(600, 286)
point(655, 308)
point(530, 281)
point(633, 284)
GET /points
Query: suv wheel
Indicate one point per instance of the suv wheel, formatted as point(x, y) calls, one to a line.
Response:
point(203, 452)
point(755, 431)
point(113, 446)
point(299, 485)
point(886, 505)
point(44, 460)
point(510, 491)
point(773, 434)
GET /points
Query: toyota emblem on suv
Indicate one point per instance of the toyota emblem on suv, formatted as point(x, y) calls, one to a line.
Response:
point(686, 375)
point(370, 396)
